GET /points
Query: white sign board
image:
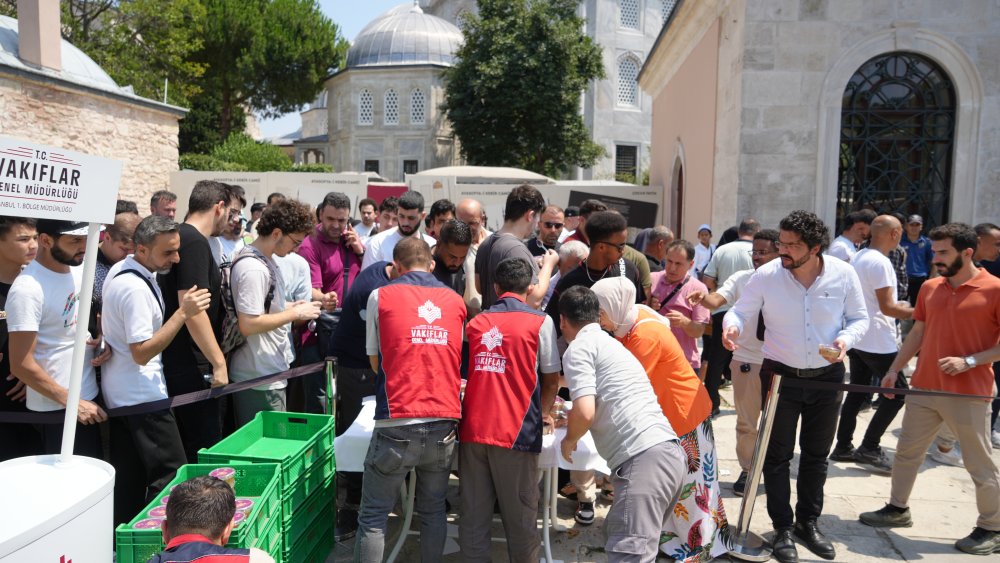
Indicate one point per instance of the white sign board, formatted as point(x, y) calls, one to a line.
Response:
point(52, 183)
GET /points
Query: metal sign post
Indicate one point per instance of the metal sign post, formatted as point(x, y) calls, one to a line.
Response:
point(749, 546)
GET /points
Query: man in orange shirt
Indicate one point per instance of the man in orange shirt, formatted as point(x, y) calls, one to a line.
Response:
point(957, 331)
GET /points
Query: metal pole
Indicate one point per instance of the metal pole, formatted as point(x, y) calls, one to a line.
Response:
point(749, 546)
point(331, 386)
point(85, 298)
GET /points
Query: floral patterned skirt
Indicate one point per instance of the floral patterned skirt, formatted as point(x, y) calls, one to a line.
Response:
point(697, 529)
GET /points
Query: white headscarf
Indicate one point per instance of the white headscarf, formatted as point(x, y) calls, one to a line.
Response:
point(617, 298)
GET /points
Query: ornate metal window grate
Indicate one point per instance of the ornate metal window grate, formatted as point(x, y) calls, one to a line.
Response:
point(629, 14)
point(628, 81)
point(391, 107)
point(667, 7)
point(418, 107)
point(366, 108)
point(896, 139)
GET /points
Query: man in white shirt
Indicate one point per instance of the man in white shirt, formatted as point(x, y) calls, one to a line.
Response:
point(703, 250)
point(367, 209)
point(857, 226)
point(613, 399)
point(409, 218)
point(814, 311)
point(146, 449)
point(42, 309)
point(259, 298)
point(727, 260)
point(874, 353)
point(748, 356)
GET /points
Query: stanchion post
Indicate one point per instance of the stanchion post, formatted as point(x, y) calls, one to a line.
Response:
point(331, 386)
point(747, 545)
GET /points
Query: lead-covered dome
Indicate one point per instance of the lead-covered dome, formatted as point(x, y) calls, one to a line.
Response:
point(405, 35)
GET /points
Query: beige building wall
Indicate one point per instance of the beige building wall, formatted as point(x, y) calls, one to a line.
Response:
point(683, 141)
point(144, 138)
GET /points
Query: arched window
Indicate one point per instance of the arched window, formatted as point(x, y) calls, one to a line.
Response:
point(366, 108)
point(628, 85)
point(628, 14)
point(391, 107)
point(896, 138)
point(667, 8)
point(418, 107)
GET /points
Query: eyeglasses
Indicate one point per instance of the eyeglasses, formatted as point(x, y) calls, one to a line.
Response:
point(781, 245)
point(295, 242)
point(620, 247)
point(551, 225)
point(760, 252)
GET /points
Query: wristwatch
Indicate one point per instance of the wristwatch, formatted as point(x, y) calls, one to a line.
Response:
point(970, 361)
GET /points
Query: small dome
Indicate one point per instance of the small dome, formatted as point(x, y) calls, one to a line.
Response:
point(76, 65)
point(320, 101)
point(405, 35)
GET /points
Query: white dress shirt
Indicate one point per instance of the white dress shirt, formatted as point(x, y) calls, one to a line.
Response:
point(843, 248)
point(799, 320)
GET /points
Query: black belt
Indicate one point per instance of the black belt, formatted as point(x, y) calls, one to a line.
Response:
point(803, 373)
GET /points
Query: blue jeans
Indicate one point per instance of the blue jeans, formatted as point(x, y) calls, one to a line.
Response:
point(393, 452)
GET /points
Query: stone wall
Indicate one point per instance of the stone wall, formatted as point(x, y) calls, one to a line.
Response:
point(792, 82)
point(143, 138)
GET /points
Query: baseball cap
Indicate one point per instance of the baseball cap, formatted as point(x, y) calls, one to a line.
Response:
point(56, 227)
point(915, 219)
point(572, 211)
point(705, 227)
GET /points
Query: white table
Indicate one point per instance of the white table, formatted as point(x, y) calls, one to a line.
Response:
point(351, 447)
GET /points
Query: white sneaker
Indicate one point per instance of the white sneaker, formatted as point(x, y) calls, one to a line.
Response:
point(996, 438)
point(951, 457)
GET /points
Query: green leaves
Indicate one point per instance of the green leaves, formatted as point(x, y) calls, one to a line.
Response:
point(514, 97)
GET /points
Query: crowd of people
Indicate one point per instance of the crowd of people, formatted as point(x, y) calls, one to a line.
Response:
point(558, 307)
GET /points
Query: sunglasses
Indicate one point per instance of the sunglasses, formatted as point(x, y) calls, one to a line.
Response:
point(620, 247)
point(551, 225)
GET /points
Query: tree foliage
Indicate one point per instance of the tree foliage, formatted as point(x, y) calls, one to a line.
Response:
point(256, 156)
point(139, 43)
point(269, 56)
point(513, 98)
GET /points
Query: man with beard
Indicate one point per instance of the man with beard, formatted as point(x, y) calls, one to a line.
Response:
point(42, 309)
point(409, 217)
point(748, 356)
point(957, 331)
point(193, 360)
point(550, 226)
point(333, 251)
point(454, 240)
point(18, 247)
point(146, 449)
point(814, 312)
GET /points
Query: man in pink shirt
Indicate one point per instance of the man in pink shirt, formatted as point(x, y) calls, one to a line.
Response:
point(669, 297)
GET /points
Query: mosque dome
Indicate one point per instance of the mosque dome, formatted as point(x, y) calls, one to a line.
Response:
point(76, 66)
point(405, 35)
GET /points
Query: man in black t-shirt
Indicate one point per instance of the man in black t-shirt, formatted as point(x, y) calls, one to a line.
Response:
point(193, 361)
point(18, 245)
point(453, 243)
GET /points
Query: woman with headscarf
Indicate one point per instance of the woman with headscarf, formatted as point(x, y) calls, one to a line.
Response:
point(697, 529)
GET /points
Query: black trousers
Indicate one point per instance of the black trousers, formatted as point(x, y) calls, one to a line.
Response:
point(17, 440)
point(818, 410)
point(864, 367)
point(200, 424)
point(913, 288)
point(87, 441)
point(146, 450)
point(353, 385)
point(718, 360)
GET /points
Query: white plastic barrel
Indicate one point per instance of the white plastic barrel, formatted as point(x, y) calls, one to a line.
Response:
point(56, 511)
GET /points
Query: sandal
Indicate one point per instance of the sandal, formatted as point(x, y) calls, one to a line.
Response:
point(608, 495)
point(568, 491)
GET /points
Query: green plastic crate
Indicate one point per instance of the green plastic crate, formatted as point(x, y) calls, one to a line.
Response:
point(301, 492)
point(252, 480)
point(315, 545)
point(295, 440)
point(320, 507)
point(271, 540)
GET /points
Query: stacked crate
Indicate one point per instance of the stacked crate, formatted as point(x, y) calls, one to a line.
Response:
point(303, 445)
point(261, 528)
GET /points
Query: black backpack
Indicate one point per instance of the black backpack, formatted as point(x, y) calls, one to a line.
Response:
point(232, 338)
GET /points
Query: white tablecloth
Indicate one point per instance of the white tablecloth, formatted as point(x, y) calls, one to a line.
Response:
point(351, 447)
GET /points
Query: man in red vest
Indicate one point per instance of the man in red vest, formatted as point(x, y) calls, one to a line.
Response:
point(199, 523)
point(509, 345)
point(414, 342)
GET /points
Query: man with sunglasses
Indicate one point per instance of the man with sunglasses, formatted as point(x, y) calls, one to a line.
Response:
point(549, 228)
point(259, 297)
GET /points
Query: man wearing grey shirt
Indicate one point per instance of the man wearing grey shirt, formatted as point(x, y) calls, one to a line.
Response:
point(814, 311)
point(613, 399)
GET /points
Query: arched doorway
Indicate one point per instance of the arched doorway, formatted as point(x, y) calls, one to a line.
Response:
point(897, 137)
